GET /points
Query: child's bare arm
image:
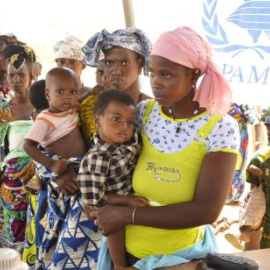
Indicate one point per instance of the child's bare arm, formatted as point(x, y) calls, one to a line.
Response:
point(91, 91)
point(127, 200)
point(31, 148)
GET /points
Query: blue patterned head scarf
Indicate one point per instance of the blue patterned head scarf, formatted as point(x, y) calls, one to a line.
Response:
point(128, 38)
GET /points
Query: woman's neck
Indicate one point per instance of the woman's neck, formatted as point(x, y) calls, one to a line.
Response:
point(134, 92)
point(185, 108)
point(21, 98)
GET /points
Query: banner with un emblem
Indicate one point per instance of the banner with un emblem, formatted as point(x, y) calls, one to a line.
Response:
point(239, 32)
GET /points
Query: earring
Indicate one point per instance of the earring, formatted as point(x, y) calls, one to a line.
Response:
point(193, 86)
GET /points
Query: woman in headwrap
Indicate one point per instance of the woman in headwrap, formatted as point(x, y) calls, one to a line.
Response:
point(15, 121)
point(126, 53)
point(189, 152)
point(5, 89)
point(68, 53)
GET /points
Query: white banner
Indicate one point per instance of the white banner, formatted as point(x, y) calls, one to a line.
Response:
point(238, 31)
point(240, 37)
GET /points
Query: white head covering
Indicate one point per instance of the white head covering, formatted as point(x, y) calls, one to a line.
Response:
point(69, 47)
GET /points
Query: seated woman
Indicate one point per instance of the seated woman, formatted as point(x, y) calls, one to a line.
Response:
point(6, 92)
point(189, 152)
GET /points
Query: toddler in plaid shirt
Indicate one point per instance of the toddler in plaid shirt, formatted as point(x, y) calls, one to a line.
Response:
point(106, 170)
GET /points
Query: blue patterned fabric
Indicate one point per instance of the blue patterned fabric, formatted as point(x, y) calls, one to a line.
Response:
point(128, 38)
point(71, 240)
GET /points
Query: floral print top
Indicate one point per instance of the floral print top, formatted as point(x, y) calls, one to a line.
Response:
point(161, 131)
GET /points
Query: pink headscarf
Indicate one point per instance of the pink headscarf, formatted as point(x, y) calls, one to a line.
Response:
point(185, 47)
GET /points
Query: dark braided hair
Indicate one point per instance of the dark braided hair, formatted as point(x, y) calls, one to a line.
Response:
point(17, 55)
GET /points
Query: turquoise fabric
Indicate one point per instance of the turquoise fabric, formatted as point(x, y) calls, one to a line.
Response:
point(208, 244)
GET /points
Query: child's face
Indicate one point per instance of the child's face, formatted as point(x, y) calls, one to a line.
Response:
point(62, 93)
point(116, 125)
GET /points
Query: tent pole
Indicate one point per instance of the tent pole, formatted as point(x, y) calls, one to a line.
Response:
point(129, 13)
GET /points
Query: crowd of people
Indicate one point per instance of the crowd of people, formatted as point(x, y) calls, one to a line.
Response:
point(106, 177)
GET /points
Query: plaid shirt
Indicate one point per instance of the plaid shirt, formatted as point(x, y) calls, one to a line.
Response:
point(107, 169)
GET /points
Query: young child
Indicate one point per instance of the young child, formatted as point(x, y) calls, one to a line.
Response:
point(58, 126)
point(57, 131)
point(105, 171)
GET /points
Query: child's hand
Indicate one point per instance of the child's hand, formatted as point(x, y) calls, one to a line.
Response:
point(255, 170)
point(97, 89)
point(221, 226)
point(88, 209)
point(137, 201)
point(59, 166)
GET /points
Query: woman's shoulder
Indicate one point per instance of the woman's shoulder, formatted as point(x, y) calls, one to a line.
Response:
point(225, 125)
point(228, 120)
point(146, 102)
point(225, 134)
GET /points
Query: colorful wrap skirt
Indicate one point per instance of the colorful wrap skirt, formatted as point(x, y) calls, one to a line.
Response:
point(18, 172)
point(71, 240)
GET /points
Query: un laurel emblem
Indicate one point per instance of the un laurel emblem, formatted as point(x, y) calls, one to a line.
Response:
point(252, 16)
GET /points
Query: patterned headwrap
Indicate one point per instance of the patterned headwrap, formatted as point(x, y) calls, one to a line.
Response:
point(187, 48)
point(69, 47)
point(128, 38)
point(265, 117)
point(18, 54)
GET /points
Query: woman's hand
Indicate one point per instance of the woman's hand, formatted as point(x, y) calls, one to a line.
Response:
point(68, 182)
point(111, 218)
point(254, 170)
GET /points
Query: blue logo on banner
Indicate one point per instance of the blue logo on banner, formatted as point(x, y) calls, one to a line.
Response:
point(252, 16)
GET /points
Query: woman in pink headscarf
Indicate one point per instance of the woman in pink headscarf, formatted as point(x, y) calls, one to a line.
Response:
point(189, 152)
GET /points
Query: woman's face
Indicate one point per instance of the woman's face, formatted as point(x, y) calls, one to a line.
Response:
point(170, 81)
point(19, 80)
point(76, 65)
point(122, 68)
point(100, 72)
